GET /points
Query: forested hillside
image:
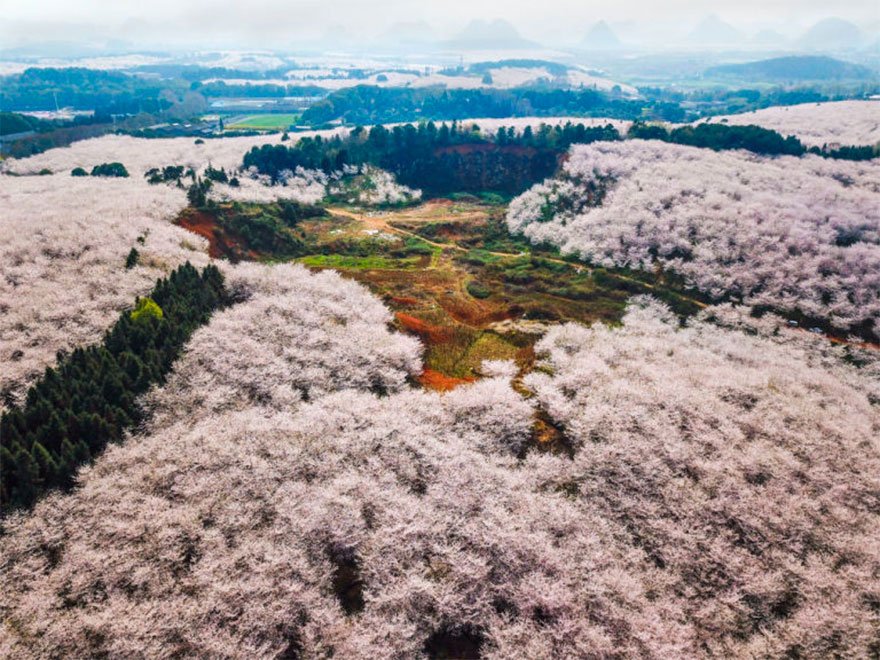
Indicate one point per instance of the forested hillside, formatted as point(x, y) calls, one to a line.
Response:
point(437, 159)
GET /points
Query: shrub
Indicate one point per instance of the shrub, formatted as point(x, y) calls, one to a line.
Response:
point(132, 259)
point(146, 308)
point(478, 290)
point(110, 170)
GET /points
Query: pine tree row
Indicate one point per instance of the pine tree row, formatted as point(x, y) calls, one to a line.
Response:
point(90, 398)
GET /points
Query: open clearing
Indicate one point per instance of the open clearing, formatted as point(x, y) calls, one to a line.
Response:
point(264, 122)
point(454, 277)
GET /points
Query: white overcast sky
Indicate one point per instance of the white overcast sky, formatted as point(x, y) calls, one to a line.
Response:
point(272, 22)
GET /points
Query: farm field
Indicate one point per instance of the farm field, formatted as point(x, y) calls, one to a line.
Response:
point(262, 122)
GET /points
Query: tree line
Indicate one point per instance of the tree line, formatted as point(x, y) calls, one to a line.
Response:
point(438, 159)
point(90, 398)
point(366, 104)
point(720, 137)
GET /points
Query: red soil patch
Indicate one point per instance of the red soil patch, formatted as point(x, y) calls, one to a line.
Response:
point(434, 334)
point(473, 313)
point(220, 243)
point(434, 380)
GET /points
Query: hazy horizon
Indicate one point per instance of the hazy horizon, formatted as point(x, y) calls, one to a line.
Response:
point(269, 24)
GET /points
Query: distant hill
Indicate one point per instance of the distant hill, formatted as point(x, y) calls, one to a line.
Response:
point(601, 37)
point(554, 68)
point(831, 34)
point(413, 32)
point(805, 67)
point(769, 38)
point(712, 31)
point(490, 35)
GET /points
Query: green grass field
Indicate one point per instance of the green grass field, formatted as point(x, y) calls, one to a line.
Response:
point(265, 122)
point(352, 262)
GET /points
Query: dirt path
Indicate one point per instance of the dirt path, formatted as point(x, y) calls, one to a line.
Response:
point(380, 223)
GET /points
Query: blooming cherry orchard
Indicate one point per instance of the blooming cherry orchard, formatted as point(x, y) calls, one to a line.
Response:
point(720, 499)
point(141, 154)
point(63, 256)
point(789, 233)
point(817, 124)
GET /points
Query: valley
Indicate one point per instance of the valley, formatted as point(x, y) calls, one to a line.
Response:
point(451, 273)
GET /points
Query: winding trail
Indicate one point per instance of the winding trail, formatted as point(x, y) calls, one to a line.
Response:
point(380, 222)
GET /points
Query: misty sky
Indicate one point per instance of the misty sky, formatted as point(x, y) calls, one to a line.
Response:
point(258, 23)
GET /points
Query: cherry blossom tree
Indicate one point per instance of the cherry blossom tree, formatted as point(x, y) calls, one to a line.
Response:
point(789, 233)
point(818, 124)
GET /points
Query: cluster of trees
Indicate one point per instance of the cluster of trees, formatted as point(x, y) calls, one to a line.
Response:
point(791, 68)
point(720, 494)
point(197, 72)
point(109, 92)
point(90, 398)
point(436, 159)
point(104, 169)
point(753, 138)
point(257, 90)
point(269, 231)
point(818, 124)
point(366, 104)
point(13, 122)
point(720, 137)
point(717, 100)
point(168, 174)
point(794, 234)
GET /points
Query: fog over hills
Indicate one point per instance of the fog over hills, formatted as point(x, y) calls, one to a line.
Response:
point(601, 37)
point(831, 34)
point(795, 68)
point(489, 35)
point(713, 31)
point(64, 29)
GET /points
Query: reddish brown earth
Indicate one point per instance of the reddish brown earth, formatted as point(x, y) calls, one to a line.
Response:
point(220, 242)
point(434, 334)
point(434, 380)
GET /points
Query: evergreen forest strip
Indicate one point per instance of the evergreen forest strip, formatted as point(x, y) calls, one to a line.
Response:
point(90, 398)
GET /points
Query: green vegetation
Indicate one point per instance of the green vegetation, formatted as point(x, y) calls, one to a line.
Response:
point(12, 123)
point(106, 92)
point(145, 310)
point(78, 171)
point(132, 259)
point(478, 290)
point(437, 159)
point(264, 122)
point(90, 398)
point(719, 137)
point(110, 170)
point(254, 231)
point(794, 68)
point(257, 90)
point(168, 174)
point(366, 104)
point(360, 263)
